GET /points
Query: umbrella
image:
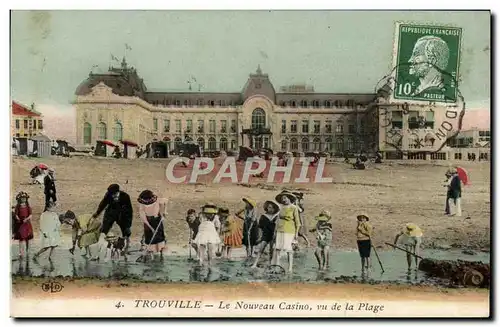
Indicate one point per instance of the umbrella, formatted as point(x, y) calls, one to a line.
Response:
point(129, 143)
point(463, 175)
point(43, 166)
point(106, 142)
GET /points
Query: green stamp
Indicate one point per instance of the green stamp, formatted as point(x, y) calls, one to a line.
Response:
point(427, 60)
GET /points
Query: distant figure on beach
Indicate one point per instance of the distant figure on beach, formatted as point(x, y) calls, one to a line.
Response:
point(455, 189)
point(231, 232)
point(411, 238)
point(152, 214)
point(49, 188)
point(250, 225)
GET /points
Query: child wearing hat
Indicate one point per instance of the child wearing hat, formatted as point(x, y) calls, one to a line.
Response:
point(85, 231)
point(287, 228)
point(323, 232)
point(208, 233)
point(231, 232)
point(193, 221)
point(250, 225)
point(363, 235)
point(22, 228)
point(152, 213)
point(267, 225)
point(411, 238)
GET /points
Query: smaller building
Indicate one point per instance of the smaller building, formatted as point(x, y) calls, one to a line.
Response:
point(471, 144)
point(25, 122)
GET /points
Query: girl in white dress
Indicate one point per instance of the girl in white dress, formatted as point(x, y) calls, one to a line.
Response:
point(50, 225)
point(208, 237)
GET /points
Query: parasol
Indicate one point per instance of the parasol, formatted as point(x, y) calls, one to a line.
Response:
point(43, 166)
point(128, 143)
point(463, 175)
point(106, 142)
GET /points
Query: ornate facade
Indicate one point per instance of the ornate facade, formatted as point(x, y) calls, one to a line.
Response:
point(117, 105)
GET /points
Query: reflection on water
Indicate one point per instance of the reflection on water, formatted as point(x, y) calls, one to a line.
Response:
point(344, 264)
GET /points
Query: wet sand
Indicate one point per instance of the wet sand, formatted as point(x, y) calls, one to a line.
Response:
point(392, 193)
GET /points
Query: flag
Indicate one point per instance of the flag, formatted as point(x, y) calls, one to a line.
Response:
point(127, 47)
point(114, 58)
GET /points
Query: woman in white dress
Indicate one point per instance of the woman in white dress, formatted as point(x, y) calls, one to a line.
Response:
point(208, 237)
point(50, 225)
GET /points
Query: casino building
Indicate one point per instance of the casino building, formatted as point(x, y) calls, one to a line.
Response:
point(117, 105)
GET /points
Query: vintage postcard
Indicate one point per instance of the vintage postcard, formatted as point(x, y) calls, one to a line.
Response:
point(289, 164)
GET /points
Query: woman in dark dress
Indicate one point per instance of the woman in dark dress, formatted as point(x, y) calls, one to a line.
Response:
point(152, 213)
point(22, 229)
point(267, 224)
point(250, 225)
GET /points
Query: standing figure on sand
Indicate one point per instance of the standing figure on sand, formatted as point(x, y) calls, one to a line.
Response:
point(231, 232)
point(411, 238)
point(250, 225)
point(22, 230)
point(49, 188)
point(363, 234)
point(323, 232)
point(118, 210)
point(267, 224)
point(50, 235)
point(152, 212)
point(207, 238)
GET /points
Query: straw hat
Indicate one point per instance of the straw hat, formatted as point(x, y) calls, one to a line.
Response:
point(279, 197)
point(413, 230)
point(22, 195)
point(250, 202)
point(110, 237)
point(275, 205)
point(209, 208)
point(324, 215)
point(361, 216)
point(147, 197)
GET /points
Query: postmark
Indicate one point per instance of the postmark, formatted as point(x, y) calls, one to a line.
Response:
point(427, 61)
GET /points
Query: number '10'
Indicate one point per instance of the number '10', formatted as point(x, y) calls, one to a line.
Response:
point(404, 89)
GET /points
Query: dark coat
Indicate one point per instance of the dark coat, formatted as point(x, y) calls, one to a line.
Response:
point(49, 185)
point(121, 209)
point(455, 190)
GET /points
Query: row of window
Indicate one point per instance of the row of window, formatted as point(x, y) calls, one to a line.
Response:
point(29, 124)
point(339, 128)
point(200, 126)
point(102, 132)
point(351, 104)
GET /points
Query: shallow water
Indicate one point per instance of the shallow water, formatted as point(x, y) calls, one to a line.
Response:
point(344, 265)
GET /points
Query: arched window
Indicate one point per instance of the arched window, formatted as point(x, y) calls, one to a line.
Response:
point(293, 103)
point(294, 145)
point(211, 103)
point(340, 145)
point(303, 103)
point(328, 103)
point(166, 139)
point(233, 144)
point(329, 145)
point(316, 104)
point(187, 138)
point(283, 145)
point(258, 118)
point(212, 144)
point(316, 144)
point(87, 133)
point(201, 142)
point(223, 144)
point(305, 144)
point(118, 131)
point(350, 144)
point(101, 131)
point(177, 143)
point(186, 103)
point(339, 104)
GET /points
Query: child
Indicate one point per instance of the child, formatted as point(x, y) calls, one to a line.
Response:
point(207, 237)
point(194, 223)
point(363, 234)
point(323, 231)
point(267, 224)
point(85, 231)
point(250, 225)
point(411, 238)
point(22, 228)
point(49, 231)
point(231, 232)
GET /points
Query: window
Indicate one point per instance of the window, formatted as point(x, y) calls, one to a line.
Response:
point(429, 119)
point(222, 103)
point(155, 124)
point(87, 133)
point(25, 124)
point(339, 128)
point(169, 143)
point(283, 126)
point(101, 131)
point(305, 144)
point(293, 126)
point(177, 103)
point(303, 103)
point(211, 103)
point(339, 104)
point(118, 132)
point(189, 126)
point(316, 104)
point(340, 145)
point(178, 126)
point(328, 126)
point(17, 123)
point(329, 144)
point(201, 142)
point(233, 144)
point(458, 156)
point(316, 144)
point(211, 127)
point(177, 143)
point(305, 126)
point(350, 144)
point(294, 145)
point(166, 125)
point(351, 129)
point(223, 144)
point(212, 144)
point(30, 124)
point(18, 135)
point(223, 126)
point(293, 103)
point(40, 124)
point(199, 102)
point(233, 125)
point(34, 124)
point(328, 103)
point(397, 119)
point(201, 127)
point(317, 125)
point(187, 103)
point(258, 119)
point(283, 145)
point(413, 120)
point(351, 104)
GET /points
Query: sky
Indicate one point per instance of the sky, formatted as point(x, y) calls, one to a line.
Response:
point(52, 52)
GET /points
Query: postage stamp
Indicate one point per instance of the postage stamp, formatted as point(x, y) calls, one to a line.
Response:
point(427, 62)
point(148, 180)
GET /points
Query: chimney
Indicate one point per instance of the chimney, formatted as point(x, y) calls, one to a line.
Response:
point(33, 106)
